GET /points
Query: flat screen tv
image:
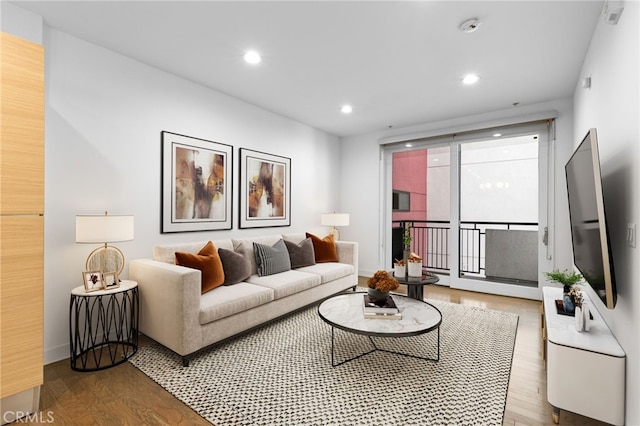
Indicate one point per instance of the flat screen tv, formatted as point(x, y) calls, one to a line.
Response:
point(589, 233)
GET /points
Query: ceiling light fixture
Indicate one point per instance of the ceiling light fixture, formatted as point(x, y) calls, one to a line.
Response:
point(470, 79)
point(346, 109)
point(497, 135)
point(470, 25)
point(252, 57)
point(408, 145)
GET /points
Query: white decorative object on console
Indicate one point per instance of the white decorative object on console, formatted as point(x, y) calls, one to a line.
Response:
point(585, 371)
point(579, 317)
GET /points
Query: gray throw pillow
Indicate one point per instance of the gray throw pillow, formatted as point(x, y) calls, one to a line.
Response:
point(271, 260)
point(301, 254)
point(236, 265)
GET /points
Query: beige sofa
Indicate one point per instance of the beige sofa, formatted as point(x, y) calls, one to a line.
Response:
point(174, 313)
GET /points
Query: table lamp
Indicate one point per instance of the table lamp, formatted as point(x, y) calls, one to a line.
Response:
point(334, 220)
point(104, 229)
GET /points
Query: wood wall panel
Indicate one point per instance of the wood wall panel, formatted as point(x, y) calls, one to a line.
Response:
point(22, 134)
point(21, 303)
point(21, 215)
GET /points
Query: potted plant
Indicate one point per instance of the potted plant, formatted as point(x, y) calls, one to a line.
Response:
point(380, 284)
point(566, 278)
point(406, 238)
point(572, 294)
point(400, 266)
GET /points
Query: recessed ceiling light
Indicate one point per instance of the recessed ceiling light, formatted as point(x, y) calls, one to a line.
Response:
point(497, 135)
point(252, 57)
point(346, 109)
point(470, 25)
point(470, 79)
point(408, 145)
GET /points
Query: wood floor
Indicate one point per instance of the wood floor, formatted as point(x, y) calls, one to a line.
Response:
point(124, 396)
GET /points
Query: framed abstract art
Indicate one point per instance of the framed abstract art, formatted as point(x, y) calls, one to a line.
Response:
point(265, 189)
point(196, 184)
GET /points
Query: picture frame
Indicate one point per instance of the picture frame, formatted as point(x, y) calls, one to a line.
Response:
point(110, 280)
point(265, 190)
point(92, 281)
point(197, 188)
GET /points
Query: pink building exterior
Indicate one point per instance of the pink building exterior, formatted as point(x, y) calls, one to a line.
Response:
point(410, 175)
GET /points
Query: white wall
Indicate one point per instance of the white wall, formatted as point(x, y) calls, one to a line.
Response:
point(362, 179)
point(20, 23)
point(104, 115)
point(611, 105)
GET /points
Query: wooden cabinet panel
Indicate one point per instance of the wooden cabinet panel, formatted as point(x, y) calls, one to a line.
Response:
point(21, 303)
point(22, 134)
point(21, 215)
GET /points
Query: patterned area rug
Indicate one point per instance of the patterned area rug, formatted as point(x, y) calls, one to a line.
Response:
point(281, 374)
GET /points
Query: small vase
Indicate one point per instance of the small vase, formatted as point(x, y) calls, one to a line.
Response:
point(405, 258)
point(399, 271)
point(378, 297)
point(567, 304)
point(586, 315)
point(579, 318)
point(415, 269)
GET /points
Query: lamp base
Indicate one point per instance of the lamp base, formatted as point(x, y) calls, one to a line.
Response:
point(105, 259)
point(336, 234)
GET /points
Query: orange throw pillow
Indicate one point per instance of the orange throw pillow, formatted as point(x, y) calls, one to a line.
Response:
point(325, 249)
point(208, 262)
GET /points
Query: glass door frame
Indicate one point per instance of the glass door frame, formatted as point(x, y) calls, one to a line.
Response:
point(545, 131)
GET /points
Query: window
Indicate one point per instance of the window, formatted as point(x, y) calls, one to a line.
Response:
point(401, 201)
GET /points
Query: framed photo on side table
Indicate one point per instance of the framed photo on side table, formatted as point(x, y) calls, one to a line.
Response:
point(265, 189)
point(196, 184)
point(110, 280)
point(92, 281)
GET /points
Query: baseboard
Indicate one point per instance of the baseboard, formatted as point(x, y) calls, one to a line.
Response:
point(56, 354)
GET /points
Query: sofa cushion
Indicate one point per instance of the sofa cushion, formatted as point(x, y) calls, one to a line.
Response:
point(236, 265)
point(229, 300)
point(324, 249)
point(329, 271)
point(271, 259)
point(167, 252)
point(301, 254)
point(286, 283)
point(209, 264)
point(248, 246)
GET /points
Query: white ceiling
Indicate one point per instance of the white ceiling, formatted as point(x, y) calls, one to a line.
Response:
point(398, 63)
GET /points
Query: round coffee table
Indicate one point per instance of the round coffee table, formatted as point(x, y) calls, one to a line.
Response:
point(415, 285)
point(346, 312)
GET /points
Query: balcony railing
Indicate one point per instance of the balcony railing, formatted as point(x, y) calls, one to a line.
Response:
point(430, 240)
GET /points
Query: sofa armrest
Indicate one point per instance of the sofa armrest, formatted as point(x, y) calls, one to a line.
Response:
point(169, 303)
point(348, 253)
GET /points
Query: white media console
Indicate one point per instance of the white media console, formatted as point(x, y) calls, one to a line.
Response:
point(585, 370)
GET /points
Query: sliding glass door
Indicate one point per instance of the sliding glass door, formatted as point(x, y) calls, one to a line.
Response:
point(477, 207)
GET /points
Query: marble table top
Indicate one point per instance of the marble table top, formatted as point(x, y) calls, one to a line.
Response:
point(346, 311)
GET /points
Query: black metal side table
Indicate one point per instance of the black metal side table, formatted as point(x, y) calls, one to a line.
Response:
point(415, 285)
point(103, 326)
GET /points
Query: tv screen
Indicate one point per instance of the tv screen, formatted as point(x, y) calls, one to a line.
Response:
point(589, 233)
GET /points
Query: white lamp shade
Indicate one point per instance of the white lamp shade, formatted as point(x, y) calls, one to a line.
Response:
point(334, 219)
point(104, 228)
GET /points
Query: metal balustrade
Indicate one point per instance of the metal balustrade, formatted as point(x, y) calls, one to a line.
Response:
point(430, 240)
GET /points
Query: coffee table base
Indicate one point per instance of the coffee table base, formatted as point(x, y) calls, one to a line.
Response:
point(375, 348)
